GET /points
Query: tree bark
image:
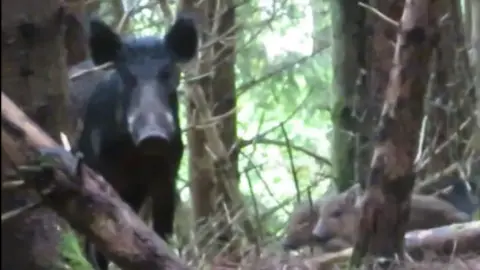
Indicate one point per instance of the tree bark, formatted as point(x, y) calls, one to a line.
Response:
point(476, 62)
point(386, 204)
point(360, 78)
point(34, 75)
point(349, 65)
point(84, 198)
point(76, 32)
point(380, 35)
point(212, 168)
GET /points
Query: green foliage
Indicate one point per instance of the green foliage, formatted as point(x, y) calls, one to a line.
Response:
point(295, 94)
point(72, 254)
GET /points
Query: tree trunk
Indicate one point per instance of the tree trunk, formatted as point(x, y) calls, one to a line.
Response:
point(360, 77)
point(386, 204)
point(200, 166)
point(476, 61)
point(449, 117)
point(380, 35)
point(214, 178)
point(438, 128)
point(463, 91)
point(34, 76)
point(349, 63)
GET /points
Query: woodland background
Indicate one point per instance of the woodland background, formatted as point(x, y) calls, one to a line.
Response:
point(294, 89)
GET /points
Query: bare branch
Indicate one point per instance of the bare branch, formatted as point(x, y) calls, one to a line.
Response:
point(379, 14)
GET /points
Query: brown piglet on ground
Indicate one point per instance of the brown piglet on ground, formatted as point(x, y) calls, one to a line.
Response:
point(299, 229)
point(340, 215)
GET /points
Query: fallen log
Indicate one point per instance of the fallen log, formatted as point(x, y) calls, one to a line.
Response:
point(84, 198)
point(445, 240)
point(455, 239)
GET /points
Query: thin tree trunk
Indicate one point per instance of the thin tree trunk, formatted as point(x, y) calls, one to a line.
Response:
point(386, 205)
point(349, 65)
point(214, 179)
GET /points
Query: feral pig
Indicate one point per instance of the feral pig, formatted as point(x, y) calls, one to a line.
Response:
point(340, 216)
point(299, 229)
point(131, 130)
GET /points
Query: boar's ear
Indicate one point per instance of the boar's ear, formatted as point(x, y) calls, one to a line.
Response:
point(182, 39)
point(103, 42)
point(351, 197)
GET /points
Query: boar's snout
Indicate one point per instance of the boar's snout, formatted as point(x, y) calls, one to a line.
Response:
point(321, 233)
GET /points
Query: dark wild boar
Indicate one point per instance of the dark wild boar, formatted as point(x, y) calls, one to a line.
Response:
point(131, 129)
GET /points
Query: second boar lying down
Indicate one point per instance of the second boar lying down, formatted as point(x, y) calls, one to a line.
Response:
point(329, 224)
point(340, 216)
point(300, 226)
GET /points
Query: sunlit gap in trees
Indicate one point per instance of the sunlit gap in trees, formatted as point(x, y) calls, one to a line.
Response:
point(289, 32)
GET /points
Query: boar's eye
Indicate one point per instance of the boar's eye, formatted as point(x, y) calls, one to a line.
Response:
point(337, 213)
point(164, 74)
